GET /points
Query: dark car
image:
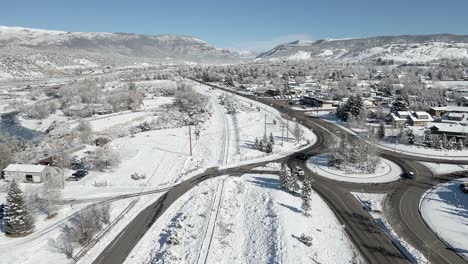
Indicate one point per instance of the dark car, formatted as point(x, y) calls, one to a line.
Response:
point(408, 175)
point(78, 175)
point(464, 187)
point(301, 156)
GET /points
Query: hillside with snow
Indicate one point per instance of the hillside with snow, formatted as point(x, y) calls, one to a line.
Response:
point(31, 53)
point(399, 48)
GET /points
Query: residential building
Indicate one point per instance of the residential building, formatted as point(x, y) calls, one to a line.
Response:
point(420, 119)
point(26, 172)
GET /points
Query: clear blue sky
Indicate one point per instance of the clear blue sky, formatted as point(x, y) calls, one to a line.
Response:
point(243, 24)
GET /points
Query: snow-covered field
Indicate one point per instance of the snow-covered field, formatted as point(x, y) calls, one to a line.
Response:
point(386, 171)
point(445, 210)
point(375, 204)
point(161, 155)
point(244, 220)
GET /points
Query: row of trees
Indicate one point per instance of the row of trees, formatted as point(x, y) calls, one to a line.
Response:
point(81, 229)
point(353, 154)
point(435, 141)
point(265, 144)
point(290, 182)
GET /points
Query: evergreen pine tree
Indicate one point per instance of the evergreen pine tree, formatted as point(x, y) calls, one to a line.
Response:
point(260, 145)
point(256, 143)
point(268, 147)
point(17, 219)
point(306, 208)
point(451, 143)
point(381, 131)
point(410, 136)
point(272, 139)
point(427, 139)
point(283, 176)
point(436, 142)
point(294, 183)
point(445, 141)
point(459, 145)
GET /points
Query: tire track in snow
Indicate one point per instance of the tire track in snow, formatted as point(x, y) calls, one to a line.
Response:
point(204, 251)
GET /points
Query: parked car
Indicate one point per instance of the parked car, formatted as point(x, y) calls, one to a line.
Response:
point(78, 175)
point(464, 187)
point(408, 175)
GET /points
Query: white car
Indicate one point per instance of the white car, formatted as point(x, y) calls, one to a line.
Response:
point(299, 171)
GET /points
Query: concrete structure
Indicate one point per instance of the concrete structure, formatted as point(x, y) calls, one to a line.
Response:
point(26, 172)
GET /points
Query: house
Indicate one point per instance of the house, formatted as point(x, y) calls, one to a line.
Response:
point(317, 102)
point(437, 111)
point(450, 129)
point(399, 118)
point(420, 119)
point(453, 114)
point(26, 172)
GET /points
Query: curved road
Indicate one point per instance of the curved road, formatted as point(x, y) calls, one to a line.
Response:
point(403, 199)
point(374, 245)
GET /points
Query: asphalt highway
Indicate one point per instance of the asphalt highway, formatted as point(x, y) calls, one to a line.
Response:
point(373, 244)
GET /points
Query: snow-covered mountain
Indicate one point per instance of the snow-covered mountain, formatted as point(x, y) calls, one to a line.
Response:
point(26, 52)
point(409, 48)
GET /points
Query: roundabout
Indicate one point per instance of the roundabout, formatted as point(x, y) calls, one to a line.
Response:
point(386, 171)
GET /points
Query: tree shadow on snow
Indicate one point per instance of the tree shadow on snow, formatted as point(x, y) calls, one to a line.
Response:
point(292, 208)
point(269, 183)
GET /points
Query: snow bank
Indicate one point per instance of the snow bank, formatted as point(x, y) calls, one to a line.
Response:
point(445, 210)
point(255, 222)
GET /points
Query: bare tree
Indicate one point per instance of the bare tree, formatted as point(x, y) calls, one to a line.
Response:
point(6, 156)
point(104, 157)
point(86, 131)
point(51, 193)
point(63, 244)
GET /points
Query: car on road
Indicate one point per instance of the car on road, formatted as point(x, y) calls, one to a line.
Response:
point(408, 175)
point(78, 175)
point(299, 171)
point(301, 156)
point(464, 187)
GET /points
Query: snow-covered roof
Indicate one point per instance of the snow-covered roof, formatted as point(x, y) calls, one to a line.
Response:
point(460, 115)
point(403, 113)
point(453, 108)
point(397, 118)
point(421, 113)
point(24, 168)
point(439, 108)
point(450, 127)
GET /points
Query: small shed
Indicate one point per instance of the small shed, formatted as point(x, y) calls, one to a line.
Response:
point(26, 172)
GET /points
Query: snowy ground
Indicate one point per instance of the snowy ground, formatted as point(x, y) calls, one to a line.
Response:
point(374, 203)
point(445, 210)
point(163, 156)
point(442, 168)
point(244, 220)
point(35, 247)
point(386, 171)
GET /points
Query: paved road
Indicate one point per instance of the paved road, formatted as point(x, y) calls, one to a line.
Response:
point(374, 246)
point(117, 251)
point(403, 199)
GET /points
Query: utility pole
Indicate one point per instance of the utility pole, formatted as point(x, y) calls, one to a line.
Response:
point(265, 136)
point(287, 129)
point(282, 133)
point(190, 138)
